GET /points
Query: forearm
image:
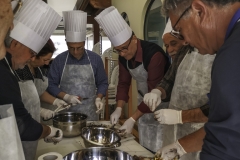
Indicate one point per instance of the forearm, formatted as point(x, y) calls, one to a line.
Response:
point(137, 114)
point(46, 131)
point(61, 95)
point(194, 141)
point(100, 95)
point(46, 97)
point(193, 116)
point(120, 103)
point(163, 96)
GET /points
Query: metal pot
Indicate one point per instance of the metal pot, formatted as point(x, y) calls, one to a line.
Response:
point(100, 137)
point(98, 153)
point(70, 123)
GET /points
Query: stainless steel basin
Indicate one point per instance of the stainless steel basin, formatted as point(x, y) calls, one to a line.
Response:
point(98, 153)
point(100, 137)
point(70, 123)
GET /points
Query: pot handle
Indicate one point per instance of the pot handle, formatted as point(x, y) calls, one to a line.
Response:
point(116, 144)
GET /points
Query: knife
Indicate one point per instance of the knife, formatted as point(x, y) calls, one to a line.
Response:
point(80, 98)
point(140, 92)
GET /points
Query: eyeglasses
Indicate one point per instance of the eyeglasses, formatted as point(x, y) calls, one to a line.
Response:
point(175, 33)
point(124, 49)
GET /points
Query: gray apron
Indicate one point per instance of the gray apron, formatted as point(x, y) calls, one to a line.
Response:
point(79, 80)
point(192, 83)
point(150, 134)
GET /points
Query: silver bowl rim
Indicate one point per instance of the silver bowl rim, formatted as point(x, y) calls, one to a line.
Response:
point(104, 148)
point(69, 113)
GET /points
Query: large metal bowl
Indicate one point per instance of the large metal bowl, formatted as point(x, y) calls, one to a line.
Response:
point(96, 153)
point(100, 137)
point(70, 123)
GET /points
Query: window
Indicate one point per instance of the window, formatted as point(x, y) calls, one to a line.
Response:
point(154, 23)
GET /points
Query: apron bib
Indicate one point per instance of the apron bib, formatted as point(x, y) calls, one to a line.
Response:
point(192, 83)
point(150, 135)
point(79, 80)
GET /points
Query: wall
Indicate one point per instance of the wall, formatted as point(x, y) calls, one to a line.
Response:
point(136, 10)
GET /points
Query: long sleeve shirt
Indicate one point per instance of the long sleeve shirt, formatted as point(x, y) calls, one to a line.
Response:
point(155, 67)
point(168, 80)
point(29, 129)
point(57, 66)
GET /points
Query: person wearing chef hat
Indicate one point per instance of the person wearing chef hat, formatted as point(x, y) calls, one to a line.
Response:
point(33, 25)
point(143, 61)
point(187, 91)
point(75, 74)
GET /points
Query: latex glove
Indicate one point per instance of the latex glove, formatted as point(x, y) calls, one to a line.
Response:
point(59, 102)
point(99, 104)
point(52, 136)
point(115, 115)
point(74, 100)
point(46, 113)
point(168, 116)
point(171, 151)
point(153, 99)
point(128, 125)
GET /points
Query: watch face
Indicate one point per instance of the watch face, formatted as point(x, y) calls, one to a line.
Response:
point(125, 17)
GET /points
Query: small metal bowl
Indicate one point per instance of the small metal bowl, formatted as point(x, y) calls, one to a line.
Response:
point(98, 153)
point(100, 137)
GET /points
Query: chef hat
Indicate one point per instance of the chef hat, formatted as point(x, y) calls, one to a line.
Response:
point(114, 26)
point(168, 27)
point(75, 23)
point(34, 24)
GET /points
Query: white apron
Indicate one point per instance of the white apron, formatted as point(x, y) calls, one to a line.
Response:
point(30, 96)
point(31, 101)
point(192, 83)
point(150, 135)
point(79, 80)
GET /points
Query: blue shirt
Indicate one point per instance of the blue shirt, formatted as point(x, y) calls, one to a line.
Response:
point(222, 140)
point(56, 70)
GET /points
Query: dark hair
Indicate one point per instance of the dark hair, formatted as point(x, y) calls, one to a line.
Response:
point(178, 6)
point(48, 48)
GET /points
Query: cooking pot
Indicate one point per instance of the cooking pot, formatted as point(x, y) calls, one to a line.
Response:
point(70, 123)
point(98, 153)
point(100, 137)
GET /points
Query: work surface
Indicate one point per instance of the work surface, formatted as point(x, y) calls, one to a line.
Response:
point(68, 145)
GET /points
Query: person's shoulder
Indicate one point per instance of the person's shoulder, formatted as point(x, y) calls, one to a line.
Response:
point(93, 55)
point(62, 55)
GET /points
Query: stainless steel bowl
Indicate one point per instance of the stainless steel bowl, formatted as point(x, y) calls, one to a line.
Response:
point(70, 123)
point(98, 153)
point(100, 137)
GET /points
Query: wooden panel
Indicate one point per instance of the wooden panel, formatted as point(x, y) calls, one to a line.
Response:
point(84, 5)
point(96, 29)
point(107, 117)
point(100, 4)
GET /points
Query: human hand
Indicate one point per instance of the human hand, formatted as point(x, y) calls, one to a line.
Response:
point(74, 100)
point(59, 102)
point(55, 135)
point(127, 126)
point(46, 113)
point(168, 116)
point(99, 104)
point(115, 115)
point(171, 151)
point(153, 99)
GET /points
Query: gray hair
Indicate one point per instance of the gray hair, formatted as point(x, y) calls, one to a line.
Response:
point(178, 6)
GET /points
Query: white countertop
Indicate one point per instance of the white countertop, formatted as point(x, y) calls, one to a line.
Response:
point(68, 145)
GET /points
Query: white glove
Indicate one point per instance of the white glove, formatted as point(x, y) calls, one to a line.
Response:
point(99, 104)
point(168, 116)
point(171, 151)
point(128, 125)
point(153, 99)
point(115, 115)
point(46, 113)
point(59, 102)
point(54, 136)
point(74, 100)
